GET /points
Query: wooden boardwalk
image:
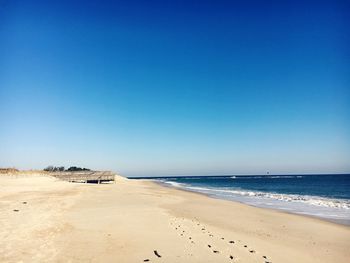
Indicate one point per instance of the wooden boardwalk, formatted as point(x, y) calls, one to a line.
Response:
point(96, 177)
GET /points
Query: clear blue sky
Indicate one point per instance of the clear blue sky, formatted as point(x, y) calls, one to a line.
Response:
point(176, 87)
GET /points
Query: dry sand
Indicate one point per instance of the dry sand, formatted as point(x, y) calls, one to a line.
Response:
point(46, 220)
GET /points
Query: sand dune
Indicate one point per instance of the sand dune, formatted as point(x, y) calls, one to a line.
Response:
point(46, 220)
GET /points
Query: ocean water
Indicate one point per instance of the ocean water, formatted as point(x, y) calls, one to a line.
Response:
point(324, 196)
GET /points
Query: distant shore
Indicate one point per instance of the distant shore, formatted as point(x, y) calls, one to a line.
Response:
point(47, 220)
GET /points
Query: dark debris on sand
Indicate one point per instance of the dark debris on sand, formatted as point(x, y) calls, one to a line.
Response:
point(156, 253)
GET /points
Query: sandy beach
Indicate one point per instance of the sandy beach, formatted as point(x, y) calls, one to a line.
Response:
point(44, 219)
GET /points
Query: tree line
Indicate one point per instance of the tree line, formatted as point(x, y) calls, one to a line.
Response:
point(62, 169)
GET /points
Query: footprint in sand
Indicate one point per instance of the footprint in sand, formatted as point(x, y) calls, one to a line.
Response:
point(209, 246)
point(15, 210)
point(24, 203)
point(215, 251)
point(252, 251)
point(231, 257)
point(231, 242)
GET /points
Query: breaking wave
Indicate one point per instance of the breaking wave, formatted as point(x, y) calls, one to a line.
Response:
point(306, 199)
point(266, 177)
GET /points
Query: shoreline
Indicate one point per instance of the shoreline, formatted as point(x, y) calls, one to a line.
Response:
point(48, 220)
point(340, 222)
point(273, 210)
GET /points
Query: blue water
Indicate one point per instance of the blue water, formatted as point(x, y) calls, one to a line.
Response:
point(325, 196)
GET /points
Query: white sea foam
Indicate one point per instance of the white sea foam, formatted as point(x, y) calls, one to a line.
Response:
point(311, 200)
point(306, 199)
point(174, 184)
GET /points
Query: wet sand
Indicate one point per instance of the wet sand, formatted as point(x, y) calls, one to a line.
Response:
point(43, 219)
